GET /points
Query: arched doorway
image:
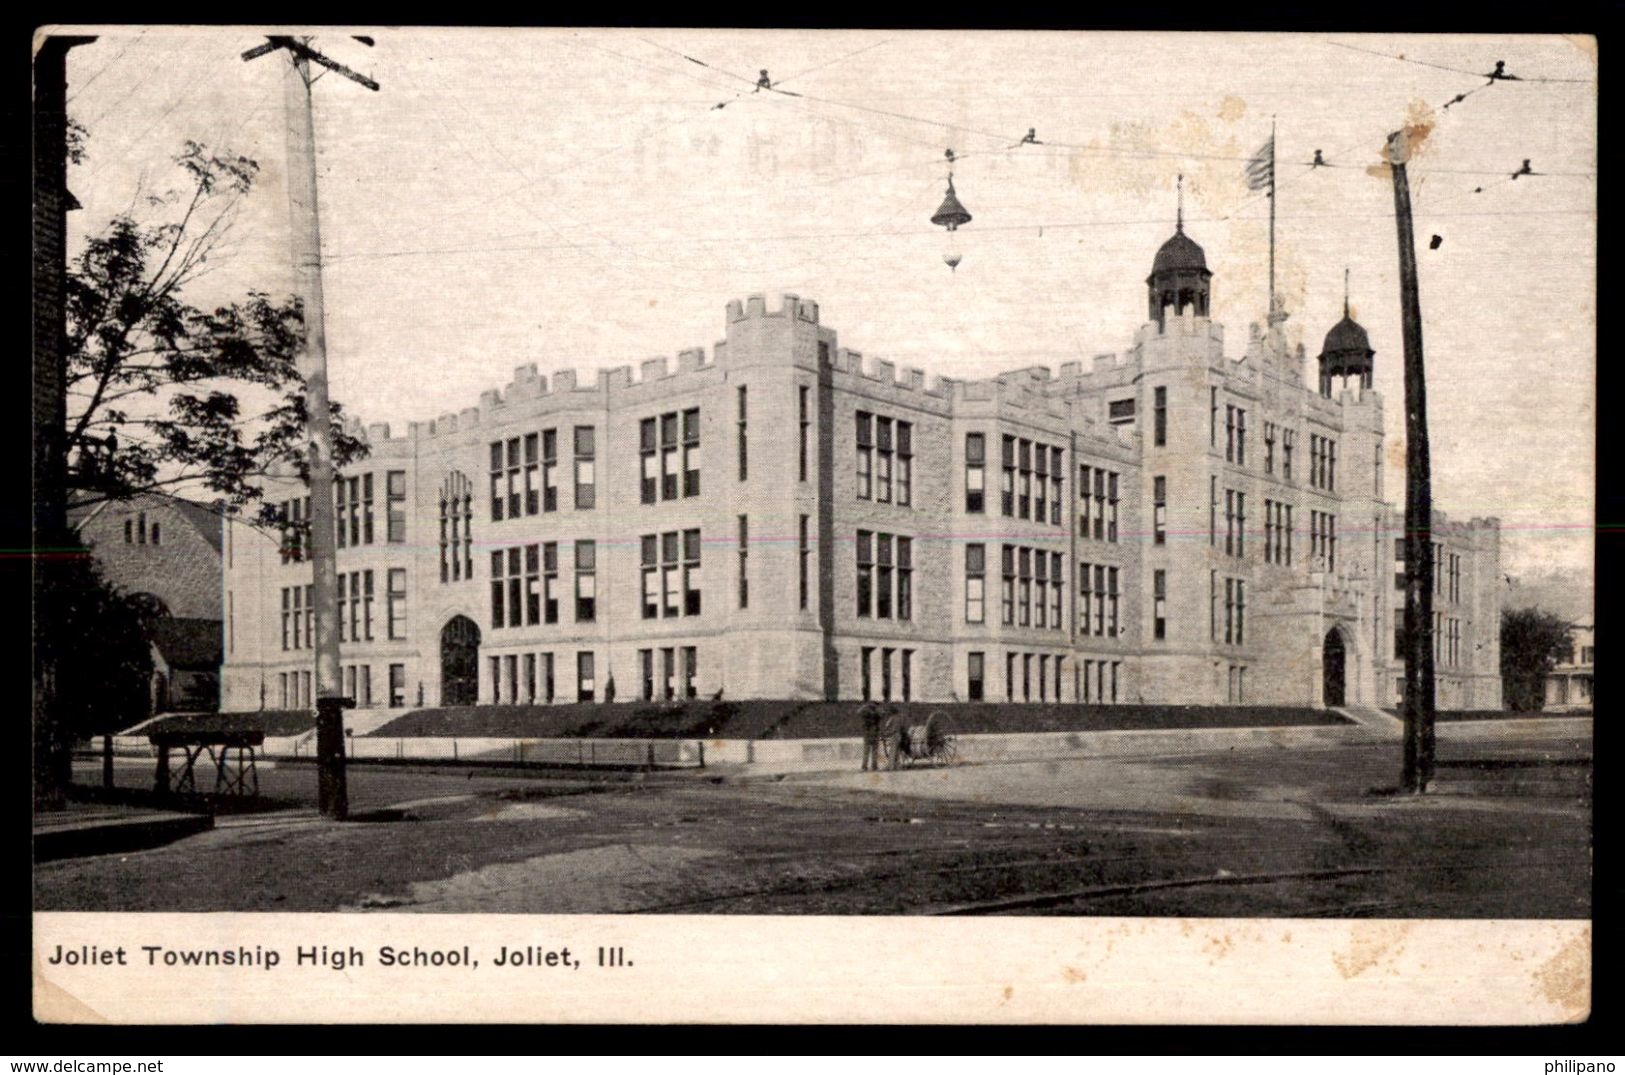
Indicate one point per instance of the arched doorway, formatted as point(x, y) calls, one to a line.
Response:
point(460, 662)
point(1333, 659)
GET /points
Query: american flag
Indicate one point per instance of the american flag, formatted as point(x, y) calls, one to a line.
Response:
point(1261, 169)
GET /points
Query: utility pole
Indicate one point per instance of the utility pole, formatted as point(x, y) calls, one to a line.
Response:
point(1419, 713)
point(307, 265)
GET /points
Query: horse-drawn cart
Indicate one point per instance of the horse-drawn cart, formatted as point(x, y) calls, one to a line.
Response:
point(929, 743)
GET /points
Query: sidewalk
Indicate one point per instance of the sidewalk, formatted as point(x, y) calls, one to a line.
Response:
point(100, 829)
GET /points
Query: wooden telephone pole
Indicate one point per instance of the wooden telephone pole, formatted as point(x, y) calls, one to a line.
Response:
point(307, 265)
point(1419, 700)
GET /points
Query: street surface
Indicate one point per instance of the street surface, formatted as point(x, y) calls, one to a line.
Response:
point(1279, 833)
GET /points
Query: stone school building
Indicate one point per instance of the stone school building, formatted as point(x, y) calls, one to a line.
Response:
point(785, 518)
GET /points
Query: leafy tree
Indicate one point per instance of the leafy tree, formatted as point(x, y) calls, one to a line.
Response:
point(1532, 642)
point(94, 637)
point(155, 384)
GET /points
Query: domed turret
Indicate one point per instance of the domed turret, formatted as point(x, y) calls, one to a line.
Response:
point(1179, 273)
point(1347, 351)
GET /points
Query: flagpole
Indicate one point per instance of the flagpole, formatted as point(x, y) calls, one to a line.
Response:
point(1272, 220)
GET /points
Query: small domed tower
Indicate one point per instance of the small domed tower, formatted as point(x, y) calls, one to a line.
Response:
point(1179, 275)
point(1347, 351)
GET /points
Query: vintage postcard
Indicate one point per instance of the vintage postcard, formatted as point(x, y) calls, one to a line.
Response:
point(572, 525)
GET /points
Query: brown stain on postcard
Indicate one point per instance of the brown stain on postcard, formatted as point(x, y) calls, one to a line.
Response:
point(1565, 979)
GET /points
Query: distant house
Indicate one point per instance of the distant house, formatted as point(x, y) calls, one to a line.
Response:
point(169, 551)
point(1570, 684)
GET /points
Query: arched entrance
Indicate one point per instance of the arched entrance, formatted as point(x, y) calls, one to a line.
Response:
point(1333, 660)
point(459, 662)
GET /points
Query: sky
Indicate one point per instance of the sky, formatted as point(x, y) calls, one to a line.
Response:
point(576, 199)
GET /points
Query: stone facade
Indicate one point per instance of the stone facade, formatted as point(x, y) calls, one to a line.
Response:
point(158, 545)
point(790, 522)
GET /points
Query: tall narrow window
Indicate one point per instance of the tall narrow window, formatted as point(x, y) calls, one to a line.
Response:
point(586, 678)
point(671, 551)
point(586, 581)
point(866, 571)
point(866, 455)
point(1055, 591)
point(395, 492)
point(1241, 437)
point(1007, 485)
point(905, 578)
point(905, 464)
point(397, 602)
point(691, 671)
point(744, 442)
point(1287, 437)
point(668, 456)
point(1241, 611)
point(744, 561)
point(865, 654)
point(975, 583)
point(649, 461)
point(1229, 433)
point(651, 576)
point(533, 585)
point(366, 605)
point(1269, 447)
point(1212, 510)
point(1213, 418)
point(646, 662)
point(905, 669)
point(1056, 485)
point(1084, 502)
point(530, 678)
point(397, 686)
point(1024, 575)
point(1159, 416)
point(883, 576)
point(885, 673)
point(342, 579)
point(533, 493)
point(550, 470)
point(550, 585)
point(1086, 594)
point(884, 450)
point(975, 473)
point(691, 452)
point(1112, 596)
point(691, 572)
point(1159, 604)
point(1159, 516)
point(1229, 610)
point(974, 673)
point(804, 412)
point(586, 467)
point(1111, 507)
point(803, 551)
point(1007, 571)
point(516, 588)
point(1024, 458)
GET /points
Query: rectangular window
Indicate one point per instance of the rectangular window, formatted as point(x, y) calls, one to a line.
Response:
point(550, 583)
point(668, 673)
point(864, 656)
point(744, 445)
point(648, 461)
point(397, 686)
point(510, 676)
point(1159, 412)
point(1024, 490)
point(533, 494)
point(668, 456)
point(1159, 604)
point(974, 689)
point(364, 682)
point(1057, 470)
point(530, 678)
point(1269, 447)
point(975, 583)
point(586, 680)
point(1229, 433)
point(1213, 418)
point(1241, 611)
point(1120, 411)
point(803, 552)
point(586, 582)
point(651, 576)
point(547, 678)
point(366, 507)
point(691, 671)
point(1159, 516)
point(866, 571)
point(287, 614)
point(397, 602)
point(1009, 677)
point(499, 501)
point(1007, 565)
point(1112, 596)
point(1086, 594)
point(691, 572)
point(1100, 504)
point(1007, 487)
point(646, 662)
point(1024, 561)
point(586, 467)
point(1229, 611)
point(885, 673)
point(1083, 501)
point(533, 585)
point(804, 410)
point(905, 464)
point(1241, 437)
point(975, 473)
point(1287, 437)
point(883, 460)
point(1111, 508)
point(550, 470)
point(691, 452)
point(866, 455)
point(744, 561)
point(883, 576)
point(905, 578)
point(1055, 589)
